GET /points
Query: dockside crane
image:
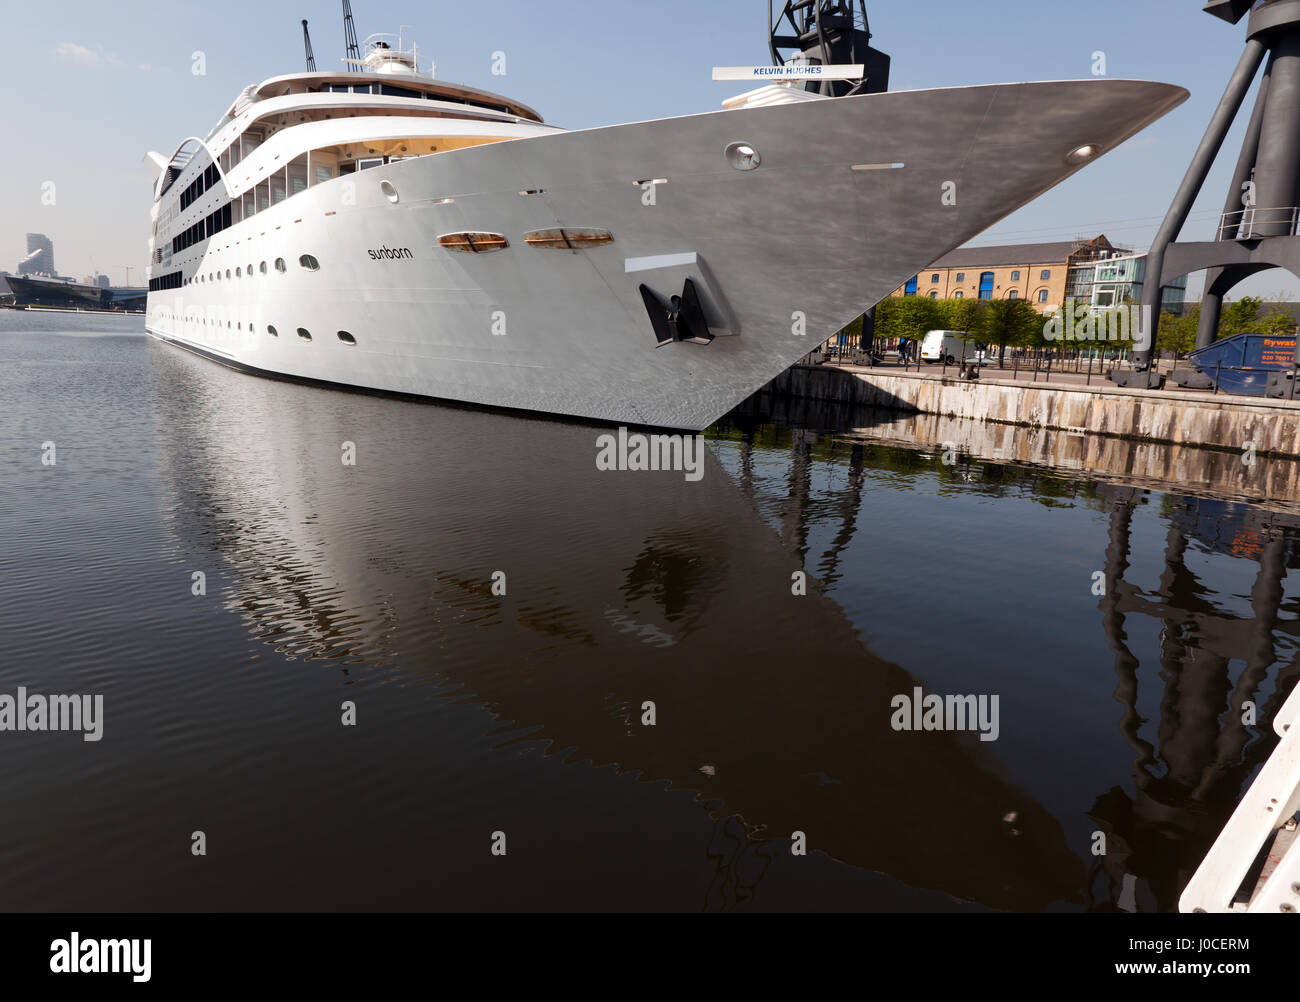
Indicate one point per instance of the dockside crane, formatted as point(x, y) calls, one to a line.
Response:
point(350, 36)
point(306, 40)
point(832, 33)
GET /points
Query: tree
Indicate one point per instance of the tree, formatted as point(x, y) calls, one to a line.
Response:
point(1278, 321)
point(1240, 317)
point(906, 316)
point(1011, 322)
point(968, 315)
point(1178, 334)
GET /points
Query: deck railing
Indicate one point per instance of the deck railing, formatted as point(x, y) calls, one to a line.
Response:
point(1244, 224)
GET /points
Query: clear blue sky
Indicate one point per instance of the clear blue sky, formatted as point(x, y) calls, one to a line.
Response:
point(88, 87)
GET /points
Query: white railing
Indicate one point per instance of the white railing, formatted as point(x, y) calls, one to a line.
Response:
point(1245, 223)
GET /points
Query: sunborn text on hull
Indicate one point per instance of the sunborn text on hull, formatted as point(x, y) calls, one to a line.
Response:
point(385, 230)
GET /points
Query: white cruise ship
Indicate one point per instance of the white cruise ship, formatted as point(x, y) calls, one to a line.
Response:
point(379, 228)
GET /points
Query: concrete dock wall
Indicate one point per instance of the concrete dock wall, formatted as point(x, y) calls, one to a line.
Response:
point(1272, 483)
point(1169, 416)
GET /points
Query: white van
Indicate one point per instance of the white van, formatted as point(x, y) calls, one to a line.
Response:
point(946, 346)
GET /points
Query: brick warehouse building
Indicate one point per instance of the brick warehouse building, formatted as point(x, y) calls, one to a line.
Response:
point(1044, 274)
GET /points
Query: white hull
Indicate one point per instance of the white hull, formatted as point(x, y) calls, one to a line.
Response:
point(803, 236)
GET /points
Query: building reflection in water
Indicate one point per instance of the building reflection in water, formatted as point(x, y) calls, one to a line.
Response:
point(1207, 742)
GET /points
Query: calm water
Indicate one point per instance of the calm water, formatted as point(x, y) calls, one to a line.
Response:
point(478, 713)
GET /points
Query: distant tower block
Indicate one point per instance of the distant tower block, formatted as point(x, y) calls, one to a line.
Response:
point(40, 256)
point(1257, 230)
point(832, 33)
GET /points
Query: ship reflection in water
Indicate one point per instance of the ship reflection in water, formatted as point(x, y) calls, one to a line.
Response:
point(1120, 713)
point(627, 588)
point(619, 589)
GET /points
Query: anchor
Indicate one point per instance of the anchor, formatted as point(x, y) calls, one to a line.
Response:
point(680, 318)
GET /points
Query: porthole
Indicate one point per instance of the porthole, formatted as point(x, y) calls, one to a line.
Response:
point(280, 266)
point(304, 334)
point(473, 243)
point(227, 273)
point(239, 273)
point(1083, 154)
point(389, 191)
point(262, 268)
point(270, 329)
point(250, 270)
point(743, 156)
point(309, 262)
point(347, 338)
point(569, 238)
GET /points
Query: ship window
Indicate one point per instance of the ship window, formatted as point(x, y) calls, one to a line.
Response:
point(280, 266)
point(227, 273)
point(309, 262)
point(304, 334)
point(262, 268)
point(250, 269)
point(270, 329)
point(569, 238)
point(473, 243)
point(239, 273)
point(347, 338)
